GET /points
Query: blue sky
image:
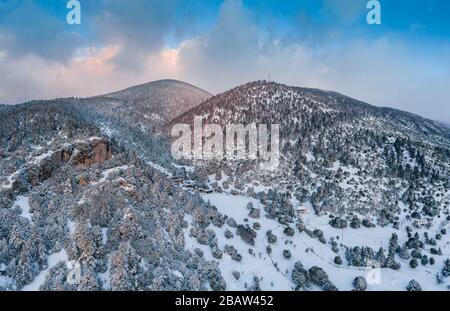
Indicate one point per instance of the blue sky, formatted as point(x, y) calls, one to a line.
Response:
point(403, 63)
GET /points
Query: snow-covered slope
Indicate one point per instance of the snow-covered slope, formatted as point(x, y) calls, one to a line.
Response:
point(90, 198)
point(157, 102)
point(373, 182)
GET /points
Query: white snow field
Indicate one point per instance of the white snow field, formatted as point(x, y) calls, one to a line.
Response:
point(274, 270)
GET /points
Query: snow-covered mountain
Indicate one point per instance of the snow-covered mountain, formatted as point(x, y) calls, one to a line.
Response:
point(327, 139)
point(446, 124)
point(354, 180)
point(90, 198)
point(157, 102)
point(80, 210)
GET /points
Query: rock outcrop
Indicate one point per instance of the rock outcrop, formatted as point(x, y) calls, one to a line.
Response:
point(95, 151)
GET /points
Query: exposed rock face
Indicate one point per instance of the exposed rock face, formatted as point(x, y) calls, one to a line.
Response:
point(97, 150)
point(47, 165)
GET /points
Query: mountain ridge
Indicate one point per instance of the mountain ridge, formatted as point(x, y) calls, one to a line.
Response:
point(315, 91)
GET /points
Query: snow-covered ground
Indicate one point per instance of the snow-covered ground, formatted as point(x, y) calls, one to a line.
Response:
point(106, 173)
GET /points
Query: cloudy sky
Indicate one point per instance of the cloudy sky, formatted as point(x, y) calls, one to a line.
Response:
point(216, 45)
